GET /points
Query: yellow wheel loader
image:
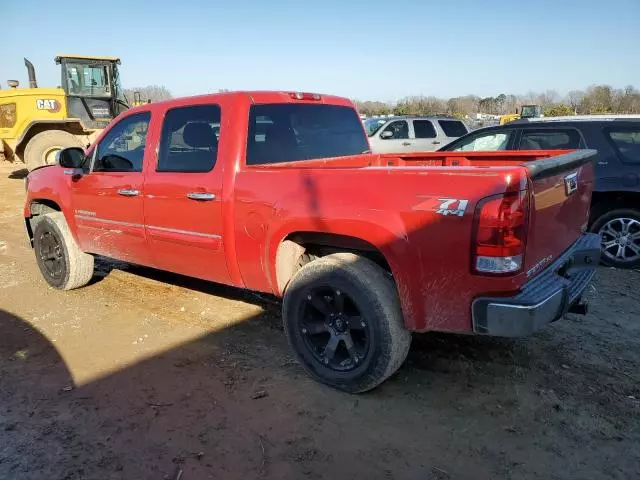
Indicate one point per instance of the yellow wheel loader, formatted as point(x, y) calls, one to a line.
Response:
point(527, 111)
point(37, 122)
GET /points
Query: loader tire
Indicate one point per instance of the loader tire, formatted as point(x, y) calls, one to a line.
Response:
point(42, 147)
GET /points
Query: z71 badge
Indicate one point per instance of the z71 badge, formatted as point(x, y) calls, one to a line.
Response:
point(444, 206)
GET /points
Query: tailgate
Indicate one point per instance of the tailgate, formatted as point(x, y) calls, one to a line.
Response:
point(561, 196)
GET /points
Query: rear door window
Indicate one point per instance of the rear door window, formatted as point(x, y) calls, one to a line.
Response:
point(626, 142)
point(549, 139)
point(291, 132)
point(453, 128)
point(424, 129)
point(189, 141)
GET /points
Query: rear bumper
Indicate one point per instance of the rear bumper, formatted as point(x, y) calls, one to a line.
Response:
point(544, 299)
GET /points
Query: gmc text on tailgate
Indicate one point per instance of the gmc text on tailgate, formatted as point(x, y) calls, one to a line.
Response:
point(278, 192)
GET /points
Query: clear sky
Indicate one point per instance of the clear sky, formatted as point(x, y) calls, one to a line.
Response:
point(380, 50)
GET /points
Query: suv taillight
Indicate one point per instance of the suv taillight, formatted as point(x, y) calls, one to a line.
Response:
point(500, 232)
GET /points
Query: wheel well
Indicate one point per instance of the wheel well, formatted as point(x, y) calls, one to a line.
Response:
point(602, 202)
point(301, 247)
point(38, 208)
point(74, 128)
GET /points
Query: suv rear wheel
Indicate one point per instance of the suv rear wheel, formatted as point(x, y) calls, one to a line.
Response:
point(619, 231)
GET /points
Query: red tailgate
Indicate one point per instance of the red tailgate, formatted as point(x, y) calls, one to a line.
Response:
point(561, 195)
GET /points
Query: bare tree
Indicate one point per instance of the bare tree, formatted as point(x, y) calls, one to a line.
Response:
point(155, 93)
point(574, 99)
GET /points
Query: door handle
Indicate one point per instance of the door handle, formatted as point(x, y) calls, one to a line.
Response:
point(125, 192)
point(406, 144)
point(201, 196)
point(435, 142)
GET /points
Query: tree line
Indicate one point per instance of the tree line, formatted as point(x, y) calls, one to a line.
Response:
point(596, 99)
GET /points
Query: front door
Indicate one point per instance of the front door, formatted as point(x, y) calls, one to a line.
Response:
point(183, 190)
point(107, 200)
point(394, 138)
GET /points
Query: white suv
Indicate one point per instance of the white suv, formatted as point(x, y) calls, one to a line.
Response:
point(412, 134)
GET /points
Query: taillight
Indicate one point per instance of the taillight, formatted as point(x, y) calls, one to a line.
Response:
point(304, 96)
point(500, 233)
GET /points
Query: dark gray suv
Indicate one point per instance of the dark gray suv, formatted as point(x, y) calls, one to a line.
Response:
point(615, 207)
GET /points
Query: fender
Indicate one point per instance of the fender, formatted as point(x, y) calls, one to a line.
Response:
point(385, 230)
point(49, 184)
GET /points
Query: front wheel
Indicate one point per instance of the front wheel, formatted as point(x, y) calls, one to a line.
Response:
point(62, 264)
point(343, 320)
point(619, 231)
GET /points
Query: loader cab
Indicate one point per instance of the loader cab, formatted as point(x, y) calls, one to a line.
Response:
point(92, 88)
point(531, 111)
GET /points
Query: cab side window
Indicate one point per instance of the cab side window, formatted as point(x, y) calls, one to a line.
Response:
point(549, 139)
point(122, 148)
point(399, 130)
point(189, 141)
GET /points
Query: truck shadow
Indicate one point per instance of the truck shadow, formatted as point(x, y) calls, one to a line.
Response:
point(231, 404)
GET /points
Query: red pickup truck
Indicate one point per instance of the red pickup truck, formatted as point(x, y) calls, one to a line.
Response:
point(278, 192)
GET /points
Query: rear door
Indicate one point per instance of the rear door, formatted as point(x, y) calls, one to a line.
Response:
point(183, 190)
point(107, 200)
point(427, 137)
point(619, 162)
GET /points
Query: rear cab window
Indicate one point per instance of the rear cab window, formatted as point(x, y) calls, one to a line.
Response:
point(550, 139)
point(626, 142)
point(295, 132)
point(453, 128)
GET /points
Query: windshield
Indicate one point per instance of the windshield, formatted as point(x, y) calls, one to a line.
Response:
point(528, 111)
point(372, 125)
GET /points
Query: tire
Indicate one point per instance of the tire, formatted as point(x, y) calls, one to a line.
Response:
point(368, 297)
point(615, 251)
point(62, 264)
point(44, 145)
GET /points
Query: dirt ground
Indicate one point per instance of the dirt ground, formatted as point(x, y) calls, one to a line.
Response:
point(144, 375)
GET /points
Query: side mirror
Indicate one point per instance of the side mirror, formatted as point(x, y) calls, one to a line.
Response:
point(387, 134)
point(72, 157)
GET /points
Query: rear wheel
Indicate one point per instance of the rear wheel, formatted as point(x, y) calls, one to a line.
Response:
point(619, 231)
point(42, 148)
point(62, 264)
point(343, 320)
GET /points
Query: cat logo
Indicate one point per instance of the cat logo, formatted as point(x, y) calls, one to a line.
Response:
point(52, 106)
